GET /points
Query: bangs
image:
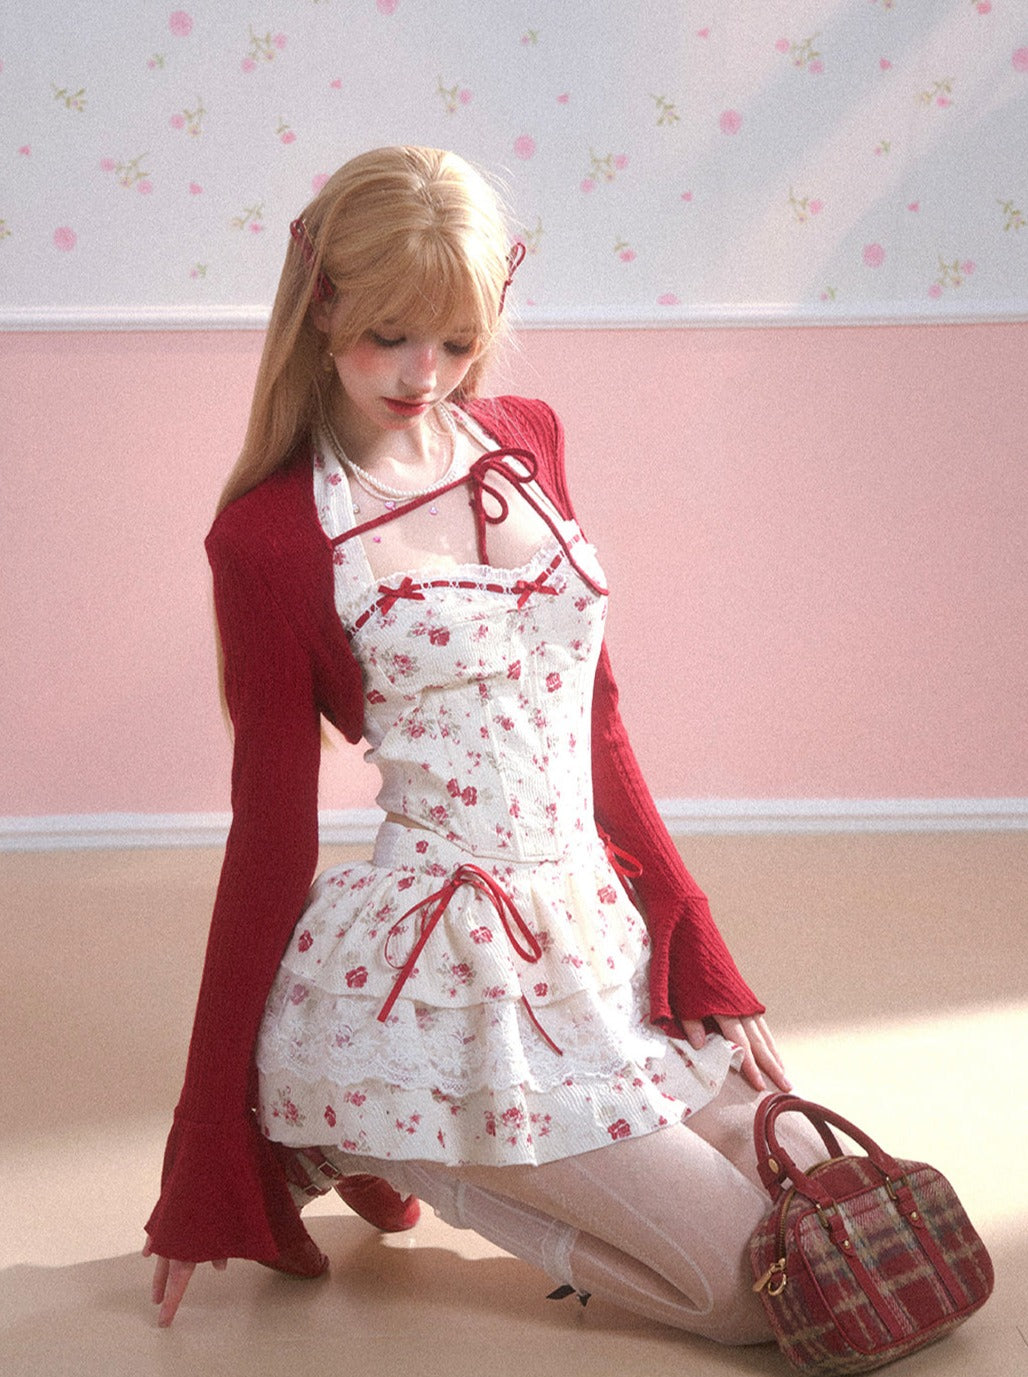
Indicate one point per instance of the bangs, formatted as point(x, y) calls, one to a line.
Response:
point(428, 287)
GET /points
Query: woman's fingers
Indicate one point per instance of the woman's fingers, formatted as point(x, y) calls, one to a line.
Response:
point(695, 1032)
point(177, 1278)
point(171, 1276)
point(760, 1056)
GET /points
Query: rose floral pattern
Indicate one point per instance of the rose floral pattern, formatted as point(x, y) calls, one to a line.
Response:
point(666, 162)
point(492, 1014)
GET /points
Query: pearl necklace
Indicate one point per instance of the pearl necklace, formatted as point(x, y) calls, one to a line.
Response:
point(383, 492)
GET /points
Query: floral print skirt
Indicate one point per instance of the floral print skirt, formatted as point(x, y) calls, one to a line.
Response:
point(436, 1005)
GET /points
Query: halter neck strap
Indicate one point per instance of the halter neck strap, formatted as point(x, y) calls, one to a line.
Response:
point(519, 467)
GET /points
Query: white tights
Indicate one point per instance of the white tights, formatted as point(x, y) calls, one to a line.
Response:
point(658, 1225)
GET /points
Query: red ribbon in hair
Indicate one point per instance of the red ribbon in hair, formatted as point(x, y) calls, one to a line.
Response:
point(324, 289)
point(514, 261)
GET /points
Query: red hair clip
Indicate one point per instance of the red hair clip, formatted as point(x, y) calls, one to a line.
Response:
point(514, 260)
point(323, 287)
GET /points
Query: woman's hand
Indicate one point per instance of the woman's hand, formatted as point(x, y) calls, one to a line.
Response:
point(170, 1279)
point(759, 1054)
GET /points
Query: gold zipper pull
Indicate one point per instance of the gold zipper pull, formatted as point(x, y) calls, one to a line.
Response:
point(779, 1287)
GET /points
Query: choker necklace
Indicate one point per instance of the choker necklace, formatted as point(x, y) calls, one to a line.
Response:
point(383, 492)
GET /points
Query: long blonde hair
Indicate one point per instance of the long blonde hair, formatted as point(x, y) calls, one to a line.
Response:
point(411, 235)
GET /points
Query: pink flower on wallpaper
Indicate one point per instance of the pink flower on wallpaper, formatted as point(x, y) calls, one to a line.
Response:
point(180, 23)
point(686, 196)
point(318, 181)
point(730, 122)
point(65, 239)
point(387, 6)
point(563, 99)
point(1020, 60)
point(453, 96)
point(195, 189)
point(984, 6)
point(178, 121)
point(524, 147)
point(262, 46)
point(107, 164)
point(885, 64)
point(668, 299)
point(874, 255)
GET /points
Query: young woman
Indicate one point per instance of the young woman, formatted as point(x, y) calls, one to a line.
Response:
point(519, 1010)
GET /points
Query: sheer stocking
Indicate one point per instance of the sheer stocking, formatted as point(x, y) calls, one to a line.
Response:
point(658, 1225)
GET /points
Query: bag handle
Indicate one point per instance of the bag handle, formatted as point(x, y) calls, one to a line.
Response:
point(775, 1165)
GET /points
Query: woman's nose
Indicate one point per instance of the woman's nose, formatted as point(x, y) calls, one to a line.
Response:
point(419, 375)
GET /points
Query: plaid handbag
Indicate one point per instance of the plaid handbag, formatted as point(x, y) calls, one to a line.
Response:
point(861, 1259)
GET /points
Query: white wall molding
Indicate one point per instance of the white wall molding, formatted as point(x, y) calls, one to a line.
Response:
point(684, 817)
point(730, 315)
point(697, 816)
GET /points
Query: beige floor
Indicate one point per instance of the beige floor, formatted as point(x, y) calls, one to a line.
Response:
point(895, 967)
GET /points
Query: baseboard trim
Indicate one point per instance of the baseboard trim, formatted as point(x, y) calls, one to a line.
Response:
point(697, 816)
point(684, 817)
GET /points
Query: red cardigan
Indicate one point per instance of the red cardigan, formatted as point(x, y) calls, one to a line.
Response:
point(287, 663)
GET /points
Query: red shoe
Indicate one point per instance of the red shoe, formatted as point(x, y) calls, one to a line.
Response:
point(369, 1196)
point(376, 1201)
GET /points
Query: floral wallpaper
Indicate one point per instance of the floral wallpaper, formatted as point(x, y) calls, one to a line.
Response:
point(667, 161)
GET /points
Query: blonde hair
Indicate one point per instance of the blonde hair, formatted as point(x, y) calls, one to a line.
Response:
point(410, 236)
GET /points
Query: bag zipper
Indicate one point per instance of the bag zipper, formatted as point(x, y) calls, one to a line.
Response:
point(776, 1288)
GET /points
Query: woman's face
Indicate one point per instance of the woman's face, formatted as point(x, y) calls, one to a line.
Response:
point(392, 377)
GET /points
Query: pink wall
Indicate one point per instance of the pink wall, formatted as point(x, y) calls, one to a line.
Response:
point(815, 538)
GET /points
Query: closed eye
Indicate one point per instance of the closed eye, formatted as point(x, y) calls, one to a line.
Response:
point(457, 348)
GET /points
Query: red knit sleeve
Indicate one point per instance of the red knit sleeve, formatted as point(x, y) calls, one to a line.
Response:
point(222, 1193)
point(692, 974)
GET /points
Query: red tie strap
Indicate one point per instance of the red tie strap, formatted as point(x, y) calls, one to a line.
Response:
point(519, 468)
point(432, 908)
point(621, 861)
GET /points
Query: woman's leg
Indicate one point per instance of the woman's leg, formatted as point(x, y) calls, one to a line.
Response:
point(659, 1225)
